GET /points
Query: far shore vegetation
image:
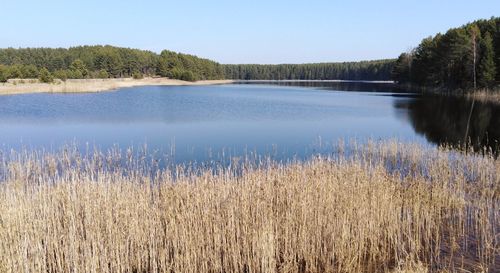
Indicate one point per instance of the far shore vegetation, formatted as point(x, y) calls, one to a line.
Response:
point(102, 62)
point(379, 70)
point(465, 59)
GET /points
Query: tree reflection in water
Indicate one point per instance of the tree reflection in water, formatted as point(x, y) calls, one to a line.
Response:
point(443, 120)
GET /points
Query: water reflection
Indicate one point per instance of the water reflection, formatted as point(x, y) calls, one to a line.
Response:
point(361, 86)
point(451, 120)
point(285, 120)
point(204, 122)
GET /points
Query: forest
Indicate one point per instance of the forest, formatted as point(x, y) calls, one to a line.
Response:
point(464, 58)
point(379, 70)
point(103, 62)
point(115, 62)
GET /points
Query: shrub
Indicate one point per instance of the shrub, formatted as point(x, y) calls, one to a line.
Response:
point(75, 74)
point(102, 74)
point(188, 76)
point(14, 72)
point(29, 71)
point(45, 76)
point(176, 73)
point(61, 74)
point(137, 75)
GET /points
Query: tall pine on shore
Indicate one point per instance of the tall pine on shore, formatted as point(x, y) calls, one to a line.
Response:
point(487, 69)
point(462, 58)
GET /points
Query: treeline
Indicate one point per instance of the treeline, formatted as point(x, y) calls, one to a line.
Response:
point(465, 58)
point(366, 70)
point(188, 67)
point(103, 62)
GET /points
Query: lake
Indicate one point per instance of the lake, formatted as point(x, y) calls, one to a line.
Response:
point(282, 120)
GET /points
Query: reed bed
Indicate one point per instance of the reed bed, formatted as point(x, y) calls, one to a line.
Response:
point(381, 207)
point(28, 86)
point(486, 95)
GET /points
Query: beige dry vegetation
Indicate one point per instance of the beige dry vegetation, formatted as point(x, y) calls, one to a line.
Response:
point(386, 207)
point(24, 86)
point(485, 95)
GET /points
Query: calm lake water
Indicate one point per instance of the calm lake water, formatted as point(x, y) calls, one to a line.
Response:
point(199, 123)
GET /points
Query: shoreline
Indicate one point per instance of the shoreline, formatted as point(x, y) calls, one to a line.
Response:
point(326, 81)
point(488, 96)
point(33, 86)
point(485, 95)
point(30, 86)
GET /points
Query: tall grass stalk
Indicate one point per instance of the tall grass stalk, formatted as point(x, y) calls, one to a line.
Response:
point(385, 207)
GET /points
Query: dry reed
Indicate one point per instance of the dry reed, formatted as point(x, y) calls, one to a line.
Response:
point(486, 95)
point(381, 207)
point(20, 86)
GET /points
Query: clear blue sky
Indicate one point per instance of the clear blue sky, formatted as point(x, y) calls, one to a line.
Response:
point(252, 31)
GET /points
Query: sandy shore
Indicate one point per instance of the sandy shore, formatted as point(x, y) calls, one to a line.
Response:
point(91, 85)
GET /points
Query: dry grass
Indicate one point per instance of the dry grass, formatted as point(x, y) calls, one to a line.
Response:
point(382, 208)
point(19, 86)
point(484, 95)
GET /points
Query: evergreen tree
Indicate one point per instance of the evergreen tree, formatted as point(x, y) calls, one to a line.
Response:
point(103, 74)
point(137, 75)
point(497, 50)
point(402, 68)
point(29, 71)
point(487, 69)
point(3, 74)
point(188, 76)
point(162, 68)
point(14, 72)
point(45, 76)
point(61, 74)
point(475, 33)
point(459, 59)
point(79, 69)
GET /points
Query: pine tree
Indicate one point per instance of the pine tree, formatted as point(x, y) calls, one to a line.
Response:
point(487, 69)
point(497, 51)
point(3, 74)
point(162, 68)
point(45, 76)
point(79, 68)
point(474, 33)
point(103, 74)
point(402, 68)
point(61, 74)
